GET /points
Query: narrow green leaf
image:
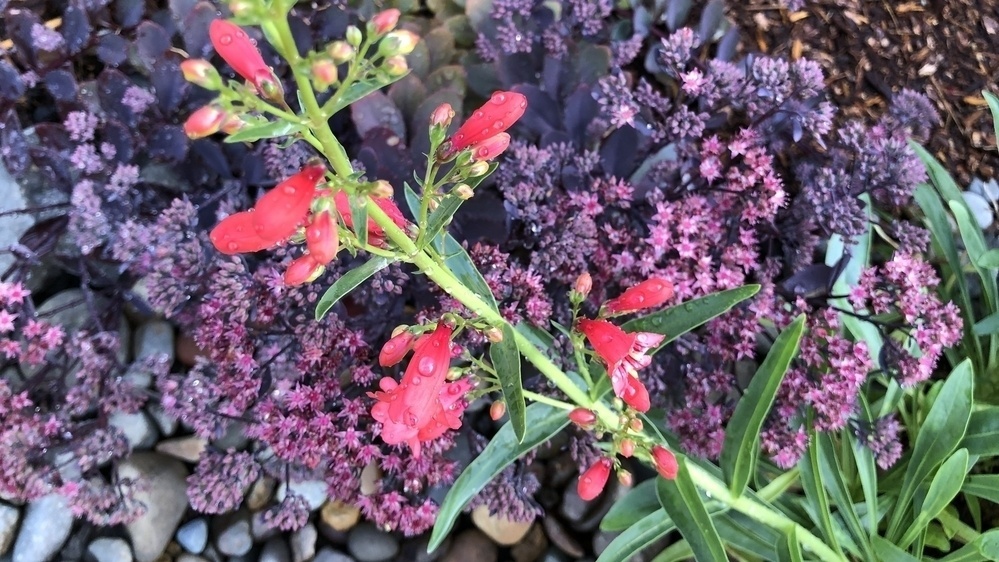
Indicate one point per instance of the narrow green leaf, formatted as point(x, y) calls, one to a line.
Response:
point(818, 502)
point(543, 422)
point(540, 338)
point(938, 437)
point(866, 470)
point(939, 175)
point(993, 102)
point(441, 217)
point(345, 284)
point(943, 489)
point(984, 547)
point(982, 437)
point(686, 508)
point(268, 130)
point(639, 502)
point(356, 91)
point(740, 451)
point(832, 478)
point(677, 320)
point(359, 218)
point(788, 550)
point(635, 538)
point(886, 550)
point(985, 486)
point(746, 534)
point(506, 360)
point(976, 246)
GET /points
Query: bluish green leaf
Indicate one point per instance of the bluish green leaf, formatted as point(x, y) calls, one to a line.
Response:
point(359, 218)
point(863, 457)
point(987, 326)
point(538, 337)
point(268, 130)
point(982, 437)
point(976, 246)
point(742, 435)
point(993, 102)
point(989, 259)
point(639, 502)
point(346, 283)
point(818, 502)
point(441, 217)
point(886, 550)
point(677, 320)
point(356, 91)
point(985, 486)
point(746, 534)
point(938, 437)
point(506, 361)
point(943, 489)
point(686, 508)
point(984, 547)
point(543, 422)
point(635, 538)
point(788, 549)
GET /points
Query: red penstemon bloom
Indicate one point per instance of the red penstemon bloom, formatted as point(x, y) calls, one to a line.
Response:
point(423, 405)
point(376, 235)
point(322, 238)
point(396, 348)
point(623, 354)
point(665, 462)
point(204, 122)
point(498, 114)
point(236, 234)
point(302, 270)
point(650, 293)
point(592, 482)
point(281, 210)
point(239, 51)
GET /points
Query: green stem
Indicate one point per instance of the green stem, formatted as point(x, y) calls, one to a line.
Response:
point(962, 530)
point(548, 400)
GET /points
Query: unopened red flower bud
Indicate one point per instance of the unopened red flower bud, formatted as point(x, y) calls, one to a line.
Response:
point(626, 448)
point(665, 462)
point(583, 418)
point(625, 478)
point(593, 481)
point(322, 237)
point(204, 122)
point(463, 191)
point(442, 116)
point(279, 212)
point(479, 168)
point(382, 188)
point(324, 74)
point(636, 395)
point(647, 294)
point(399, 329)
point(396, 348)
point(236, 234)
point(201, 73)
point(490, 148)
point(396, 66)
point(340, 52)
point(231, 124)
point(302, 270)
point(583, 284)
point(496, 410)
point(636, 425)
point(384, 21)
point(498, 114)
point(353, 35)
point(400, 42)
point(237, 49)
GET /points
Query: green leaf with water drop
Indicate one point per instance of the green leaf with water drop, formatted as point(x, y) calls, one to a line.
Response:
point(677, 320)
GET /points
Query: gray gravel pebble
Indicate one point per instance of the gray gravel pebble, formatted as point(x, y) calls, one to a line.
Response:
point(108, 549)
point(303, 543)
point(329, 555)
point(275, 550)
point(193, 535)
point(164, 493)
point(9, 516)
point(45, 528)
point(234, 537)
point(368, 544)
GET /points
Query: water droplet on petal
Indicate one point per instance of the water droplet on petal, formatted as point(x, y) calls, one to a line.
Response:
point(417, 380)
point(225, 39)
point(426, 366)
point(289, 189)
point(498, 125)
point(233, 246)
point(498, 98)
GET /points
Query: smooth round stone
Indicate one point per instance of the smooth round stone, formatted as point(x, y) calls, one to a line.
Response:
point(110, 550)
point(530, 549)
point(275, 550)
point(557, 533)
point(502, 531)
point(187, 449)
point(139, 430)
point(329, 555)
point(303, 543)
point(46, 526)
point(234, 538)
point(260, 493)
point(9, 516)
point(314, 492)
point(193, 535)
point(154, 338)
point(340, 516)
point(164, 494)
point(368, 544)
point(471, 545)
point(980, 209)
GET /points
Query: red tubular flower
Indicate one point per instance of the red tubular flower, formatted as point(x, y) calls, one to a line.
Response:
point(665, 462)
point(592, 482)
point(423, 405)
point(623, 354)
point(237, 49)
point(376, 235)
point(396, 348)
point(236, 234)
point(279, 212)
point(498, 114)
point(302, 270)
point(322, 237)
point(650, 293)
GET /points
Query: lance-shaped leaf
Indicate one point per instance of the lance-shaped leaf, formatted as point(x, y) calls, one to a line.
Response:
point(686, 508)
point(348, 282)
point(506, 361)
point(677, 320)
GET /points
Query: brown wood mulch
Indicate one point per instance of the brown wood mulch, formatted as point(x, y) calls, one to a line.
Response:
point(869, 49)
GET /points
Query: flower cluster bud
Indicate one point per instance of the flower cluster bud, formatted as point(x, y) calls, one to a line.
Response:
point(201, 73)
point(396, 66)
point(625, 478)
point(582, 417)
point(242, 8)
point(593, 481)
point(490, 148)
point(322, 238)
point(626, 447)
point(494, 334)
point(354, 36)
point(231, 124)
point(204, 122)
point(340, 52)
point(651, 293)
point(482, 131)
point(384, 21)
point(442, 116)
point(401, 42)
point(665, 462)
point(324, 74)
point(304, 269)
point(237, 49)
point(463, 191)
point(496, 410)
point(479, 168)
point(382, 188)
point(396, 348)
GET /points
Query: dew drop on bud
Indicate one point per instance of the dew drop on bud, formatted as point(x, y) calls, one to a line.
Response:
point(426, 365)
